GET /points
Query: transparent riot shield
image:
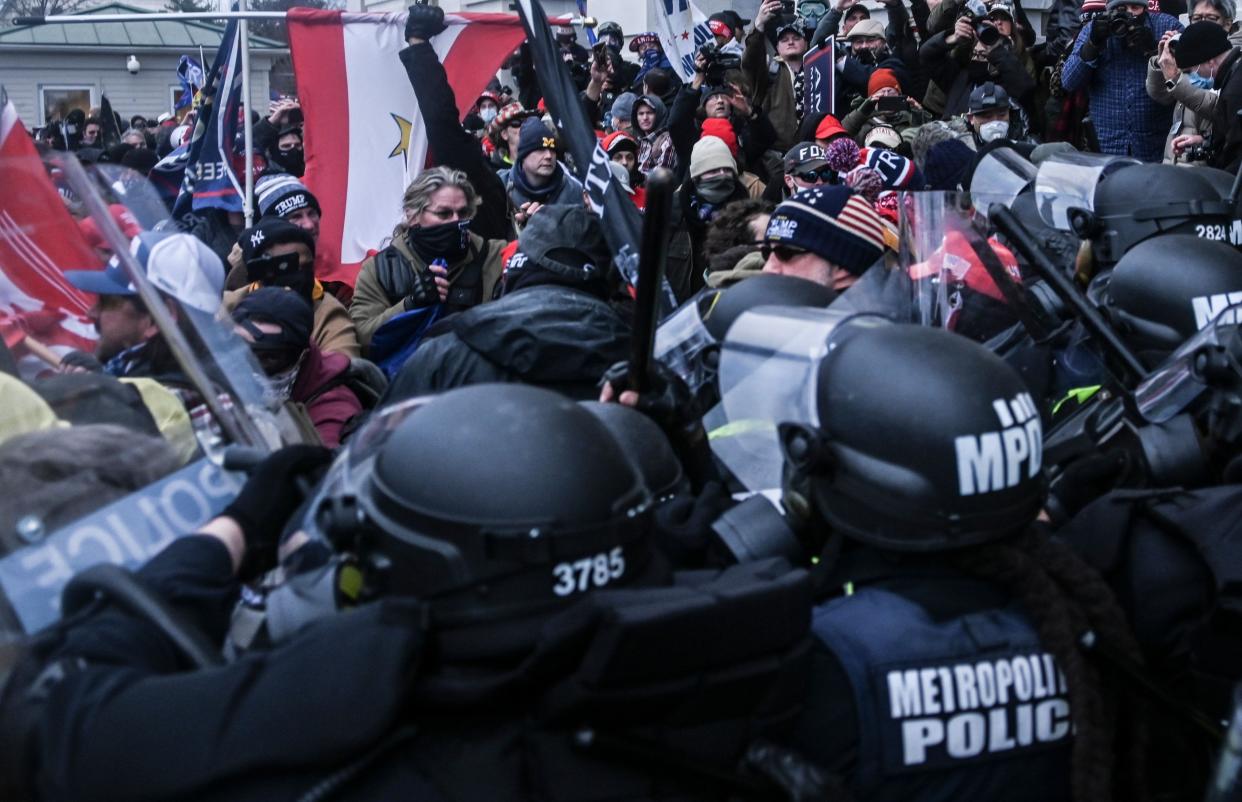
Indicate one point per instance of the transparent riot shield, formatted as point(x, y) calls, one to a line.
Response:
point(1067, 181)
point(1180, 380)
point(685, 346)
point(768, 366)
point(218, 371)
point(999, 177)
point(96, 468)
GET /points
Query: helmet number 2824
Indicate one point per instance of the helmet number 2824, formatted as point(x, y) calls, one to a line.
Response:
point(589, 572)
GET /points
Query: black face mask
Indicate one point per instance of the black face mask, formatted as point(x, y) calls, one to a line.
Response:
point(869, 57)
point(448, 241)
point(715, 190)
point(293, 161)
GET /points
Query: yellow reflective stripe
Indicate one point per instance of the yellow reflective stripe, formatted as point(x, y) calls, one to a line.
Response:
point(1079, 394)
point(741, 427)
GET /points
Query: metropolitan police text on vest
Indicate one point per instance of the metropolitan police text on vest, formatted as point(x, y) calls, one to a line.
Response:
point(957, 712)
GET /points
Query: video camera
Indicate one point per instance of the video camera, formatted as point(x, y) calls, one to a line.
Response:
point(717, 63)
point(1121, 22)
point(977, 13)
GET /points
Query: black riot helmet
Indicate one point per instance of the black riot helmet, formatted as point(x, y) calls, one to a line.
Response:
point(688, 341)
point(765, 289)
point(496, 502)
point(926, 441)
point(1138, 202)
point(645, 443)
point(1166, 289)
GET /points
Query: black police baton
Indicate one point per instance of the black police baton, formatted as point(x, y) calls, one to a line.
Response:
point(661, 184)
point(1008, 224)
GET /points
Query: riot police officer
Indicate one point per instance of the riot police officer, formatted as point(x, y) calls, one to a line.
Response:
point(950, 664)
point(491, 667)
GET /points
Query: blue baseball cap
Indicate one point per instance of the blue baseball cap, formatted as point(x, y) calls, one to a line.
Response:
point(179, 265)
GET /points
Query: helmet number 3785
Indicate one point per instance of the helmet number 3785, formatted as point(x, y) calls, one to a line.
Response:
point(589, 572)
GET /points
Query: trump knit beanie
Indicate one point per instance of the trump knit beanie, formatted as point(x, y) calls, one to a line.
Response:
point(832, 222)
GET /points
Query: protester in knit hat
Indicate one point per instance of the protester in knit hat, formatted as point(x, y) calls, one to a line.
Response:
point(828, 235)
point(896, 171)
point(949, 164)
point(883, 78)
point(538, 179)
point(722, 129)
point(285, 196)
point(711, 155)
point(534, 136)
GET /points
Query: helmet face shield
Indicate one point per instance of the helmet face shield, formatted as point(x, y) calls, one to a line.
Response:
point(768, 367)
point(685, 346)
point(1170, 390)
point(1000, 177)
point(1068, 180)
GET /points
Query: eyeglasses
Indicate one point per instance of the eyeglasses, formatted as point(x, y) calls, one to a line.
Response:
point(1205, 18)
point(449, 214)
point(785, 253)
point(824, 175)
point(515, 123)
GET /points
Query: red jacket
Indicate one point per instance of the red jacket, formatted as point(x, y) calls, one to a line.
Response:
point(329, 408)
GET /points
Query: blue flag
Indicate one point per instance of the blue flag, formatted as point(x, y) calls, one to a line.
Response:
point(214, 161)
point(190, 74)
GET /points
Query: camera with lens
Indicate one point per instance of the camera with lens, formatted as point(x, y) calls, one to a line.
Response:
point(717, 63)
point(977, 13)
point(1199, 153)
point(1121, 22)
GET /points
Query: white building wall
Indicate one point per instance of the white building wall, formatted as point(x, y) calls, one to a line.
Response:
point(23, 72)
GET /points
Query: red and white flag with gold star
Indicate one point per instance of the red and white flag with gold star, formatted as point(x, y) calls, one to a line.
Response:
point(365, 139)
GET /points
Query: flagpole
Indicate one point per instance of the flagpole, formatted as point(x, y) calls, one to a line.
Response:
point(248, 208)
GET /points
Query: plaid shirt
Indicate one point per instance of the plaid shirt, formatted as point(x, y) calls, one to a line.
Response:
point(1127, 121)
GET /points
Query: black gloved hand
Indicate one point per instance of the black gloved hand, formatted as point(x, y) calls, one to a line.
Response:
point(270, 496)
point(669, 402)
point(82, 361)
point(424, 22)
point(424, 292)
point(1085, 480)
point(1142, 39)
point(1099, 31)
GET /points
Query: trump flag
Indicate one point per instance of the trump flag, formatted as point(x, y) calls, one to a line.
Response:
point(365, 139)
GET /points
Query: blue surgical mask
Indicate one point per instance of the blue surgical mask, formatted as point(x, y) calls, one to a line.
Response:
point(488, 114)
point(1200, 81)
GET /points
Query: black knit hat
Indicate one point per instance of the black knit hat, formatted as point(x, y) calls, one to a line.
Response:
point(1200, 42)
point(534, 136)
point(281, 306)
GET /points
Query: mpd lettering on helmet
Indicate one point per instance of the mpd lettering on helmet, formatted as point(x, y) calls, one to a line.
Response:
point(997, 460)
point(948, 713)
point(1208, 307)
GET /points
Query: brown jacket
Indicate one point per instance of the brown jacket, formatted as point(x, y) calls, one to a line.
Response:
point(333, 331)
point(372, 308)
point(773, 90)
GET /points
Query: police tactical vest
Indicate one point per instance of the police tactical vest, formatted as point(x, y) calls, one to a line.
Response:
point(971, 707)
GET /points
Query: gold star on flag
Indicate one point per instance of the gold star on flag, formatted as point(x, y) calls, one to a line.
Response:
point(405, 129)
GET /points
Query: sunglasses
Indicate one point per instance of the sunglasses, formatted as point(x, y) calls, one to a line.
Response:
point(1204, 18)
point(786, 253)
point(515, 123)
point(824, 175)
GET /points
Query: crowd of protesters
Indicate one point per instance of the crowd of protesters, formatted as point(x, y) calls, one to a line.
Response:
point(926, 620)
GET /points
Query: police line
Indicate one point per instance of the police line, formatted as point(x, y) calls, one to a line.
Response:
point(127, 532)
